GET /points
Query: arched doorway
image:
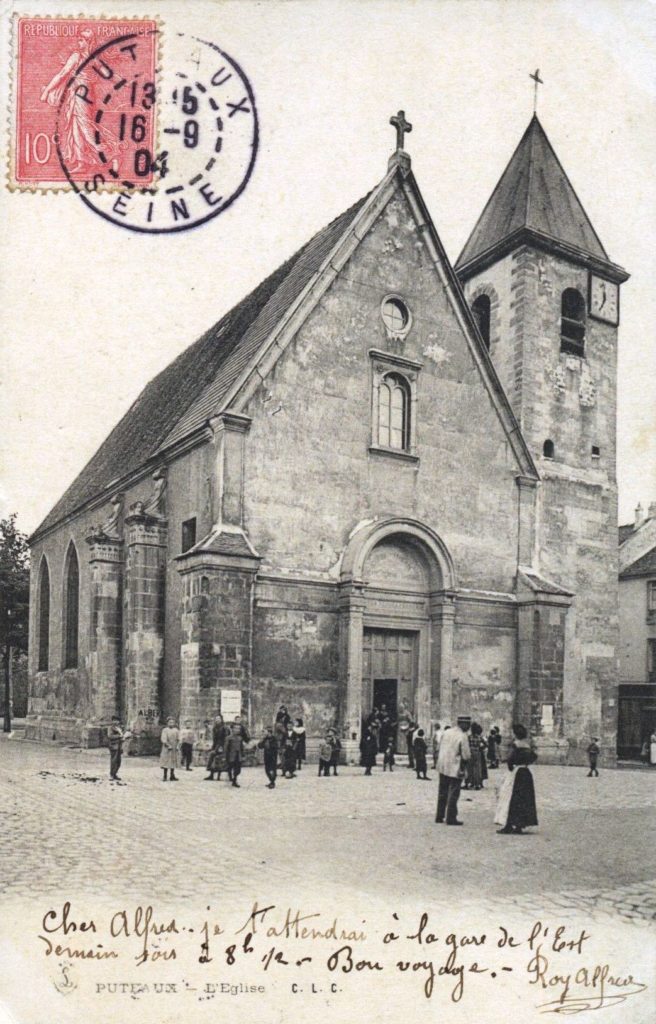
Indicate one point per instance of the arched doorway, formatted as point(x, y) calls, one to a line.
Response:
point(396, 625)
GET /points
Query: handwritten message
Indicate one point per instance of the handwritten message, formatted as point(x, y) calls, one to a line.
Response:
point(314, 953)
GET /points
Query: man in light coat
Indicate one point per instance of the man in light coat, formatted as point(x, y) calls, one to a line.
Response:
point(454, 753)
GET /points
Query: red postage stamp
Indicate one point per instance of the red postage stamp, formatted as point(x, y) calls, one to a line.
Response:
point(74, 110)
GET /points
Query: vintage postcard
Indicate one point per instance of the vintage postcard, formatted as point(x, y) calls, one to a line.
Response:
point(328, 511)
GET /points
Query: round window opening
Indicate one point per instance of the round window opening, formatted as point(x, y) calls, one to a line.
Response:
point(396, 315)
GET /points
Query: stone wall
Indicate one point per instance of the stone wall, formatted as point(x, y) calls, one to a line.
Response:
point(570, 401)
point(311, 475)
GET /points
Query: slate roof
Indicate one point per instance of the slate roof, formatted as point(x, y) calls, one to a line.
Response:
point(184, 395)
point(535, 193)
point(541, 585)
point(643, 566)
point(625, 531)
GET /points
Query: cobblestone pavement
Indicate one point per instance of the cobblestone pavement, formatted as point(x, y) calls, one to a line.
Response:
point(64, 824)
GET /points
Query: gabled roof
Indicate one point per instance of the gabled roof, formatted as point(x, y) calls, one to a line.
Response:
point(236, 353)
point(215, 359)
point(643, 566)
point(533, 193)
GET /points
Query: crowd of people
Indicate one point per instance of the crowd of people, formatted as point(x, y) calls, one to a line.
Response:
point(461, 755)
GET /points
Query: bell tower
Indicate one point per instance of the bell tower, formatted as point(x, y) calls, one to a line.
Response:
point(546, 297)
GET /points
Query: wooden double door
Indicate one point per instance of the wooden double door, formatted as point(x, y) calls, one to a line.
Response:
point(389, 673)
point(636, 720)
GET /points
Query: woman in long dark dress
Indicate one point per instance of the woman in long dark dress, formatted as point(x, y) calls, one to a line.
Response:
point(516, 808)
point(368, 751)
point(476, 763)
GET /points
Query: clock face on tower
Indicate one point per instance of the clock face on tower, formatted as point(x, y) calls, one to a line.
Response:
point(604, 300)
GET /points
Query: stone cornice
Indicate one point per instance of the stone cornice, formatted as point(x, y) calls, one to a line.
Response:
point(538, 240)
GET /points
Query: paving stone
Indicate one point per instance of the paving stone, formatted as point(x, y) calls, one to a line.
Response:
point(593, 850)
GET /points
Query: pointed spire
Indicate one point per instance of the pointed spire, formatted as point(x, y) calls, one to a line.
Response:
point(533, 193)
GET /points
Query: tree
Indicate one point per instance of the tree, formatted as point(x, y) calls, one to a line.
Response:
point(14, 600)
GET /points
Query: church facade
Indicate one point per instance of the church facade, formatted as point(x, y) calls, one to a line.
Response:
point(380, 479)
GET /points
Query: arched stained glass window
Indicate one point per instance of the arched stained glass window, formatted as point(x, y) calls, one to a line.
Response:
point(394, 412)
point(44, 617)
point(481, 309)
point(71, 608)
point(572, 322)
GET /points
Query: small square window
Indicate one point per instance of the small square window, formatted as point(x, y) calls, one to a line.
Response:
point(596, 451)
point(188, 534)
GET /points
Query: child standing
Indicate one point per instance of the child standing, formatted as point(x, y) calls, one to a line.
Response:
point(187, 740)
point(299, 743)
point(325, 754)
point(289, 756)
point(388, 756)
point(336, 745)
point(593, 756)
point(233, 752)
point(420, 749)
point(269, 744)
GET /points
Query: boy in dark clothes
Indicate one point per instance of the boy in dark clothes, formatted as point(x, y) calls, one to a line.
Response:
point(336, 745)
point(420, 749)
point(593, 756)
point(289, 756)
point(233, 751)
point(388, 756)
point(270, 747)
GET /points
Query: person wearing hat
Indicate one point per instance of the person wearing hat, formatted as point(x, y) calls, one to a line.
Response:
point(115, 740)
point(593, 756)
point(453, 756)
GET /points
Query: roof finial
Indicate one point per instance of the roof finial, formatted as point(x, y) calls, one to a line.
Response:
point(402, 127)
point(536, 81)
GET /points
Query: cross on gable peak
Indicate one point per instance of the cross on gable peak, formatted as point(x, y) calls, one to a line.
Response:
point(402, 126)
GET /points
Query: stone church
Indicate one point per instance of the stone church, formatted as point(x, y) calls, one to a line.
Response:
point(380, 478)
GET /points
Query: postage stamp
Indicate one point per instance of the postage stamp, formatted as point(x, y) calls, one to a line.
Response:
point(72, 111)
point(153, 137)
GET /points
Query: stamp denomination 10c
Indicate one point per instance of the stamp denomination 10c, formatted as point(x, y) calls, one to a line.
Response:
point(60, 79)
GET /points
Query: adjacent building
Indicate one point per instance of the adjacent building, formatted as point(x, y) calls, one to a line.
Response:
point(637, 689)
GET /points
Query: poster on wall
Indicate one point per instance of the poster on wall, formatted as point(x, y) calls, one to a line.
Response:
point(230, 704)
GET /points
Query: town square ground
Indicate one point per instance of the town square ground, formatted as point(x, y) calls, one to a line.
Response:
point(68, 832)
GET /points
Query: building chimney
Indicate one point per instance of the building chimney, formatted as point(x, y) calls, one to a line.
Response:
point(639, 516)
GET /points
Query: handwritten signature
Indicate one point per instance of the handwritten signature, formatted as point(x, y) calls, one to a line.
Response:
point(583, 1002)
point(588, 988)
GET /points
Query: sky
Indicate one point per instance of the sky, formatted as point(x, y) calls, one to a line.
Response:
point(90, 312)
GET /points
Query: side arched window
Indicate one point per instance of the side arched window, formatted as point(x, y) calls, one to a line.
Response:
point(481, 310)
point(71, 608)
point(43, 660)
point(548, 450)
point(394, 412)
point(572, 322)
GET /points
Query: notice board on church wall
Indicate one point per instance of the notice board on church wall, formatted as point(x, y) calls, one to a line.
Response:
point(304, 176)
point(230, 704)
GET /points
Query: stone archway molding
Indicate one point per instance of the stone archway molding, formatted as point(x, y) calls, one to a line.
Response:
point(371, 532)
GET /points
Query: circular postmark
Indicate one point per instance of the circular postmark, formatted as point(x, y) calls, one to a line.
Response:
point(164, 149)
